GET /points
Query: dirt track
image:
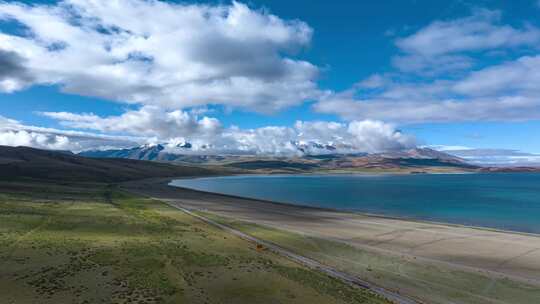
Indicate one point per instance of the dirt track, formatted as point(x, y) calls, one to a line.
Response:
point(310, 263)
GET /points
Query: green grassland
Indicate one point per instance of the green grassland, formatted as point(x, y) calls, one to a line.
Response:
point(90, 243)
point(430, 283)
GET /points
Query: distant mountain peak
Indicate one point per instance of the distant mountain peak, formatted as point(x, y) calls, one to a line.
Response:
point(184, 145)
point(159, 147)
point(313, 147)
point(420, 153)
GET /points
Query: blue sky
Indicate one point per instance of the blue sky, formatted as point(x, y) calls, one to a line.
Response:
point(349, 43)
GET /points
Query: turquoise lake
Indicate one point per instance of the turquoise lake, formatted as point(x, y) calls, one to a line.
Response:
point(509, 201)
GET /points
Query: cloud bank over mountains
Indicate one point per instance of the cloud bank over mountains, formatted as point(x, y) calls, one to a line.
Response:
point(492, 157)
point(208, 136)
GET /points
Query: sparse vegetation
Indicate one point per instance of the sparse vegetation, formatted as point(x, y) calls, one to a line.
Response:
point(90, 243)
point(430, 283)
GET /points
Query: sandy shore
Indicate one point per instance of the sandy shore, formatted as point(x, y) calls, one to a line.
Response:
point(498, 254)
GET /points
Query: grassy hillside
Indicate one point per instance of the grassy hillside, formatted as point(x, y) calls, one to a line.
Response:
point(89, 243)
point(273, 164)
point(24, 162)
point(349, 164)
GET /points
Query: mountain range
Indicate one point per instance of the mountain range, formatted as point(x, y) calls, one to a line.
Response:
point(166, 152)
point(325, 158)
point(151, 161)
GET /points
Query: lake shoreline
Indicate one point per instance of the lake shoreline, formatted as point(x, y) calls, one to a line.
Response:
point(464, 248)
point(413, 218)
point(375, 215)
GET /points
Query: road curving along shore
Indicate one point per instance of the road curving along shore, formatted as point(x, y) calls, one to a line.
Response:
point(434, 262)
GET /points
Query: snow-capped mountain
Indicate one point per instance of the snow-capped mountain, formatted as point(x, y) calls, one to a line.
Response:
point(165, 152)
point(144, 152)
point(311, 147)
point(333, 155)
point(420, 153)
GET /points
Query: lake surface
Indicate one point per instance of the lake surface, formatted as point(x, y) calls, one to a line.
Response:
point(509, 201)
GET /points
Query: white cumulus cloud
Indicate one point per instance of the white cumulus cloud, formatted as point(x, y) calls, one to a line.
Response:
point(445, 46)
point(34, 139)
point(14, 133)
point(147, 121)
point(159, 53)
point(436, 80)
point(482, 30)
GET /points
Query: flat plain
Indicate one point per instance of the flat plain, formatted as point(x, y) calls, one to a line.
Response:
point(66, 242)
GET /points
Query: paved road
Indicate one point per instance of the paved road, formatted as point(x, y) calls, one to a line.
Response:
point(351, 280)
